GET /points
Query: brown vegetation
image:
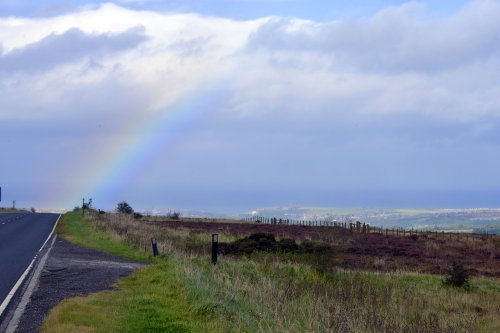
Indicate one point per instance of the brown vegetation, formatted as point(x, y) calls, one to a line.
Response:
point(425, 253)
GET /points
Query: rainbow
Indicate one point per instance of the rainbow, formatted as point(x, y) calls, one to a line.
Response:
point(104, 176)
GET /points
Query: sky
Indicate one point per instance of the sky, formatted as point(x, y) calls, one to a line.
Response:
point(230, 105)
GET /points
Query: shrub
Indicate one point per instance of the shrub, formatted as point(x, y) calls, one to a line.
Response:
point(379, 263)
point(457, 276)
point(174, 215)
point(267, 243)
point(124, 208)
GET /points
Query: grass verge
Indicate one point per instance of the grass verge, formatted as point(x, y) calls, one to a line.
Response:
point(151, 299)
point(73, 228)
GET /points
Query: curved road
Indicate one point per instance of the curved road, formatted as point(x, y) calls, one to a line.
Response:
point(21, 236)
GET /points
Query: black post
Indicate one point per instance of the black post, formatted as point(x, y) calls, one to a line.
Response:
point(155, 247)
point(215, 247)
point(83, 206)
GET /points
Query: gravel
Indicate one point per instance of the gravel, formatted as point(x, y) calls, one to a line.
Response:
point(71, 271)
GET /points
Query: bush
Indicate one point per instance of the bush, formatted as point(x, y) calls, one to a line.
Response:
point(124, 208)
point(267, 243)
point(457, 276)
point(174, 216)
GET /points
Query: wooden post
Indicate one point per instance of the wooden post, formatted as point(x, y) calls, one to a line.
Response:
point(155, 247)
point(215, 248)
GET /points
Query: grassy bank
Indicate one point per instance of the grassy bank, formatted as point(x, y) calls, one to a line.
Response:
point(183, 292)
point(152, 299)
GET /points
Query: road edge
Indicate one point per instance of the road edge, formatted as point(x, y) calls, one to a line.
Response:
point(7, 301)
point(18, 312)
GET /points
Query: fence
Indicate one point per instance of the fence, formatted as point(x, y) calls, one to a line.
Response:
point(359, 227)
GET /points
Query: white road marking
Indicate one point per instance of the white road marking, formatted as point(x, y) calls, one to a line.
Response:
point(14, 322)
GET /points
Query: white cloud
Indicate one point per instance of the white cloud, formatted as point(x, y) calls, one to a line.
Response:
point(396, 61)
point(296, 89)
point(393, 41)
point(68, 47)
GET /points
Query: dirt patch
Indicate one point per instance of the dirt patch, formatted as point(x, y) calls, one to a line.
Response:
point(426, 253)
point(71, 271)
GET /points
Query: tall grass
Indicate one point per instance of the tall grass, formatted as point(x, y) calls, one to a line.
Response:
point(268, 293)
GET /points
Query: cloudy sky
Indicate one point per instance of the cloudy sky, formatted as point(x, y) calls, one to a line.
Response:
point(229, 105)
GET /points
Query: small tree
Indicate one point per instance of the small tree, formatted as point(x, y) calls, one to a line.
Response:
point(457, 276)
point(174, 215)
point(124, 208)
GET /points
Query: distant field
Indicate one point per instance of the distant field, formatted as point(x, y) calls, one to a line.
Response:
point(475, 220)
point(424, 253)
point(12, 210)
point(191, 219)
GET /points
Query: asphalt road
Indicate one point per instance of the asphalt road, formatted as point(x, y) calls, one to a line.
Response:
point(21, 236)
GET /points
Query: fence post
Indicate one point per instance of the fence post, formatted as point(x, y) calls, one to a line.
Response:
point(155, 246)
point(215, 248)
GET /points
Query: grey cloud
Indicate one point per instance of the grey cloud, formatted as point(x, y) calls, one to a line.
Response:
point(71, 46)
point(392, 41)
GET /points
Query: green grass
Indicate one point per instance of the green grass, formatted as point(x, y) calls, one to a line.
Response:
point(151, 299)
point(183, 292)
point(274, 296)
point(74, 228)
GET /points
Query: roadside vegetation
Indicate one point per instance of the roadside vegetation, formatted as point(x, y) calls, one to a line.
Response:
point(294, 288)
point(15, 210)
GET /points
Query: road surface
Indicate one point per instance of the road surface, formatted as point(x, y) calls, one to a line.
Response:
point(21, 236)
